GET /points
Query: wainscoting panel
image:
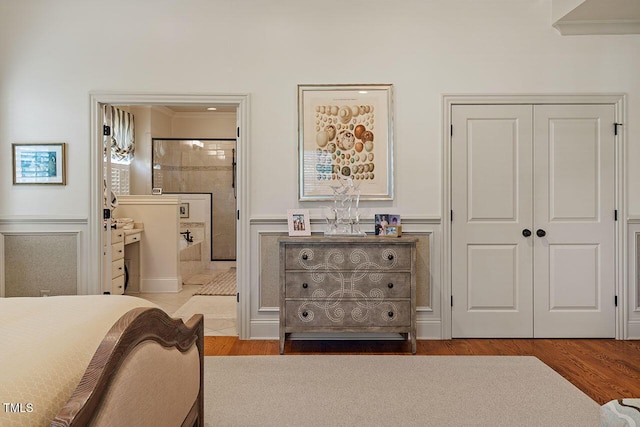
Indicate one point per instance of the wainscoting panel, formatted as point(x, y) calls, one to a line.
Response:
point(43, 256)
point(423, 271)
point(41, 264)
point(633, 283)
point(269, 271)
point(264, 281)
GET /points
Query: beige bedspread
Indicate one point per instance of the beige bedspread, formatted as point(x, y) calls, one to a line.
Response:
point(45, 346)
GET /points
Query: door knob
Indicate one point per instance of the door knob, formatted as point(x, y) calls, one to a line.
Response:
point(541, 233)
point(526, 232)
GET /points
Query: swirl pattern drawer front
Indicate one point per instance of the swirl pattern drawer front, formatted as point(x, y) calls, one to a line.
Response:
point(358, 284)
point(378, 256)
point(349, 314)
point(347, 284)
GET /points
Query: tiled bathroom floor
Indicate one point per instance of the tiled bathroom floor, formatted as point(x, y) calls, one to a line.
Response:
point(219, 311)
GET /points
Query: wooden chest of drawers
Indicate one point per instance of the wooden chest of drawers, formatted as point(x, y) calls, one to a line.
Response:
point(348, 284)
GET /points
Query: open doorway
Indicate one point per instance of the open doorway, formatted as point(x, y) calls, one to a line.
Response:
point(142, 181)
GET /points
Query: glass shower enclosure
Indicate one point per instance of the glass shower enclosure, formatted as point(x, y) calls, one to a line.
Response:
point(202, 166)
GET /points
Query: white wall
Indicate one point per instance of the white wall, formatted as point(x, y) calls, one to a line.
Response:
point(140, 175)
point(54, 53)
point(204, 125)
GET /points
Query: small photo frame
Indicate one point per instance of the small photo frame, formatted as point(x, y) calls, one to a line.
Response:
point(384, 220)
point(184, 210)
point(394, 219)
point(39, 163)
point(299, 223)
point(381, 220)
point(393, 231)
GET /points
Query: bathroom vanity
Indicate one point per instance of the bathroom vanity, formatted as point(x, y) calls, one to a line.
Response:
point(348, 284)
point(124, 244)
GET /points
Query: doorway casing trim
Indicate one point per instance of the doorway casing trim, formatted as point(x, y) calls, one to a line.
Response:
point(619, 100)
point(242, 103)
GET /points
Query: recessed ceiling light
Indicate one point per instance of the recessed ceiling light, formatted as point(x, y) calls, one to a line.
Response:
point(212, 108)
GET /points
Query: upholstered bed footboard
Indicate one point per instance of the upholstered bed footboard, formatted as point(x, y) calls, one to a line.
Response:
point(148, 370)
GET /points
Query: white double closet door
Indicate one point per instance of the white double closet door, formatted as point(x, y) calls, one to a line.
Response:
point(533, 230)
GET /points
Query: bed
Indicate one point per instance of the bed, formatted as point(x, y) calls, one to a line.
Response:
point(98, 360)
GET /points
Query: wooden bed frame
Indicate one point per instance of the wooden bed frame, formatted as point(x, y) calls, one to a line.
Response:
point(135, 328)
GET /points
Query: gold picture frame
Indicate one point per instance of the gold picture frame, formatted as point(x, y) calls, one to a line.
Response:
point(393, 231)
point(43, 163)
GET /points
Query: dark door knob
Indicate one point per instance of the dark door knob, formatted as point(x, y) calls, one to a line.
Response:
point(526, 232)
point(541, 233)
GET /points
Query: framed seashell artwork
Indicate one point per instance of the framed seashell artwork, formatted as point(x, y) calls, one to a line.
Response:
point(345, 131)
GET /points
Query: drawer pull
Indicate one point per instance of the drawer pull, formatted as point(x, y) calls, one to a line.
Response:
point(390, 257)
point(390, 314)
point(119, 251)
point(305, 314)
point(305, 256)
point(390, 285)
point(305, 285)
point(119, 268)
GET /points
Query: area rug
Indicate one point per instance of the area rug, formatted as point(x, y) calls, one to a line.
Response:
point(219, 313)
point(221, 284)
point(350, 390)
point(198, 279)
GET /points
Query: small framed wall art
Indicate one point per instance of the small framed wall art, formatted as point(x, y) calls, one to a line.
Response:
point(184, 210)
point(299, 222)
point(39, 163)
point(345, 131)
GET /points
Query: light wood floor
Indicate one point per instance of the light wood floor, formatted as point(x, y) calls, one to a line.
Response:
point(603, 369)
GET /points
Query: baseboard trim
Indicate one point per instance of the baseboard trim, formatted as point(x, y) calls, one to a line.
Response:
point(633, 330)
point(270, 330)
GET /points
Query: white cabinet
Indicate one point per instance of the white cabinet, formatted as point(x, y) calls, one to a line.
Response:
point(114, 262)
point(114, 259)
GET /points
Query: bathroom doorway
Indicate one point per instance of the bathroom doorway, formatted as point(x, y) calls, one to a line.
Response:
point(176, 108)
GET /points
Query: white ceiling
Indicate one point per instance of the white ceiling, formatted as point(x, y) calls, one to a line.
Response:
point(600, 17)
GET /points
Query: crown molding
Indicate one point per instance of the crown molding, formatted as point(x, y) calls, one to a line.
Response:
point(598, 27)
